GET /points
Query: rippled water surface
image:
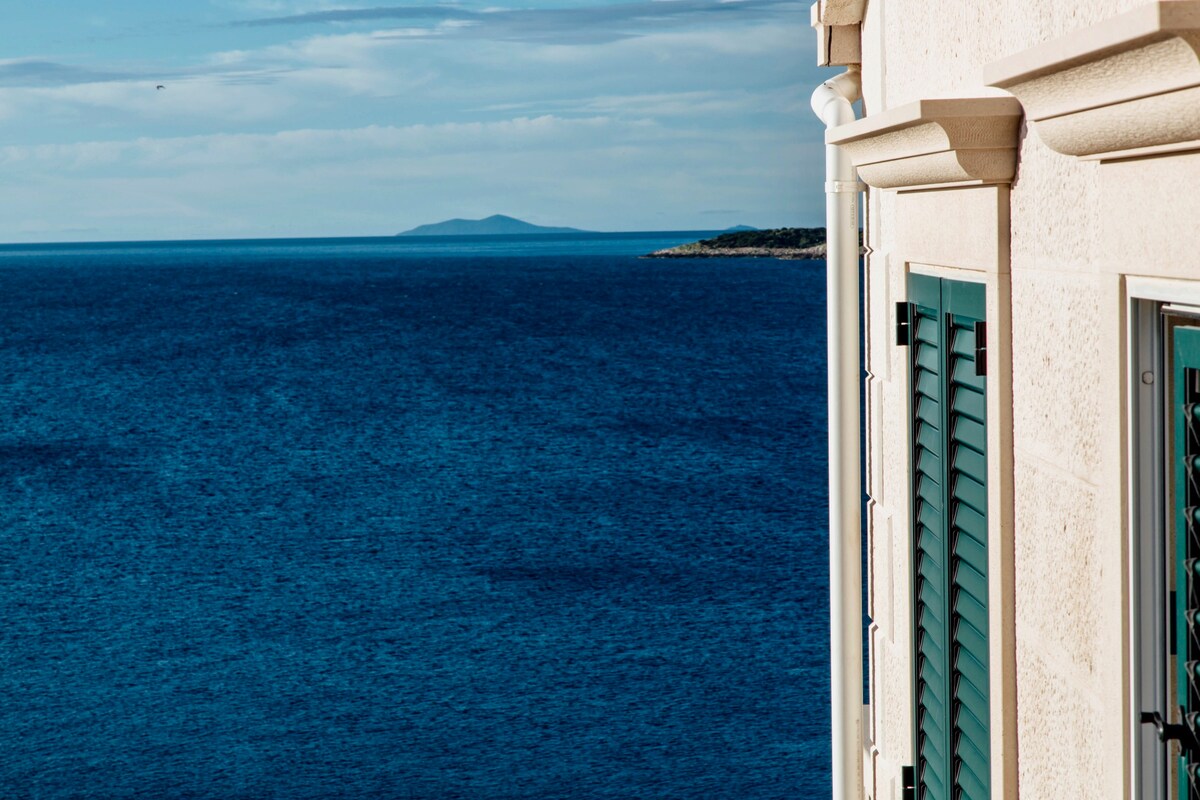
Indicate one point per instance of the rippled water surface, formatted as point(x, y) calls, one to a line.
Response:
point(306, 521)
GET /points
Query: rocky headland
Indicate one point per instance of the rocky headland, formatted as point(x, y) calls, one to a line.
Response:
point(792, 243)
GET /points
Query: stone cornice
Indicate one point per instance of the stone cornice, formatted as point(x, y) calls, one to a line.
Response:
point(839, 12)
point(838, 24)
point(945, 142)
point(1129, 86)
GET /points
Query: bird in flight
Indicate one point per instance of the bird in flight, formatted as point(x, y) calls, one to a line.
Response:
point(160, 86)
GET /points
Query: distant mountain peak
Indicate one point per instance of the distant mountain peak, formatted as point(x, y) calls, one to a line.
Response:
point(495, 225)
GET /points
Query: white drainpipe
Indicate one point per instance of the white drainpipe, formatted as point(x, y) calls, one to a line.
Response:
point(832, 103)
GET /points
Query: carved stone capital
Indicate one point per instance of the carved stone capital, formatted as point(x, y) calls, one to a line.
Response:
point(960, 141)
point(1129, 86)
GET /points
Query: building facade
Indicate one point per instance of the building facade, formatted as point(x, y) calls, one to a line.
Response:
point(1031, 300)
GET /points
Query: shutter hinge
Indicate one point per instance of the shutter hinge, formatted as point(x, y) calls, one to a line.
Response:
point(981, 348)
point(908, 777)
point(1168, 732)
point(903, 324)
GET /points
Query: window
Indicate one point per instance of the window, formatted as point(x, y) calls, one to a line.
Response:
point(1165, 410)
point(946, 334)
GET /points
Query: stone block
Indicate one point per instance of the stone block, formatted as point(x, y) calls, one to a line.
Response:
point(1067, 372)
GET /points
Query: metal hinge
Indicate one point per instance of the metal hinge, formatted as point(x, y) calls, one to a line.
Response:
point(981, 348)
point(908, 777)
point(903, 324)
point(1172, 732)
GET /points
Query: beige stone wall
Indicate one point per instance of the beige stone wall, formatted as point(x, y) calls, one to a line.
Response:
point(1060, 243)
point(939, 47)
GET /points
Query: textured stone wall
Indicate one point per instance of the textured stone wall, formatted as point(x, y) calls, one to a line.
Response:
point(1074, 228)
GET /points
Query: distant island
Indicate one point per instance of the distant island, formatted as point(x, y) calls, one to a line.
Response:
point(795, 243)
point(495, 225)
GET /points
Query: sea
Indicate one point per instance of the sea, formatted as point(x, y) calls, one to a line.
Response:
point(483, 517)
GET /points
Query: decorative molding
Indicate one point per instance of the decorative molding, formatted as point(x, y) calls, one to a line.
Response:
point(1125, 88)
point(949, 142)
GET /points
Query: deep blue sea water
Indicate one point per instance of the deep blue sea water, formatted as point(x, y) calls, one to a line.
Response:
point(411, 519)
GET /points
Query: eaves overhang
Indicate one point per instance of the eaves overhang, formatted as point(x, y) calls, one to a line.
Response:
point(838, 24)
point(1129, 86)
point(934, 143)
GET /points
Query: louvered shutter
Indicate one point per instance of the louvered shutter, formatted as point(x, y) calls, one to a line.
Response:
point(1186, 421)
point(949, 508)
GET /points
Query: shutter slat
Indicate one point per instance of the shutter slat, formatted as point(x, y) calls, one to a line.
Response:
point(966, 461)
point(969, 724)
point(929, 569)
point(934, 709)
point(929, 411)
point(967, 640)
point(969, 784)
point(935, 785)
point(963, 374)
point(929, 490)
point(972, 553)
point(929, 437)
point(969, 521)
point(970, 433)
point(933, 648)
point(971, 669)
point(929, 463)
point(968, 490)
point(932, 600)
point(968, 402)
point(962, 343)
point(925, 326)
point(969, 579)
point(969, 694)
point(934, 735)
point(926, 358)
point(927, 383)
point(971, 610)
point(930, 518)
point(970, 751)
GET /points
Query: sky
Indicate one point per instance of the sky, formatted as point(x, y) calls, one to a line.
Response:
point(282, 118)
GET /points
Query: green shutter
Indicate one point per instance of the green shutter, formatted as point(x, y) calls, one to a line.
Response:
point(949, 507)
point(1185, 411)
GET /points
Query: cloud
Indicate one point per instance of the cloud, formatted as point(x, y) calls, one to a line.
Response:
point(40, 72)
point(361, 15)
point(311, 145)
point(574, 25)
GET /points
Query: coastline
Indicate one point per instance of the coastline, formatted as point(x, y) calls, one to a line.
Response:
point(785, 243)
point(702, 250)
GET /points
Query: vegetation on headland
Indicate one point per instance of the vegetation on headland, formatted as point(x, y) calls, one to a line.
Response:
point(796, 243)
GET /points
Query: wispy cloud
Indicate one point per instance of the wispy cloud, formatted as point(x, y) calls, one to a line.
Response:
point(361, 15)
point(42, 72)
point(572, 25)
point(310, 145)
